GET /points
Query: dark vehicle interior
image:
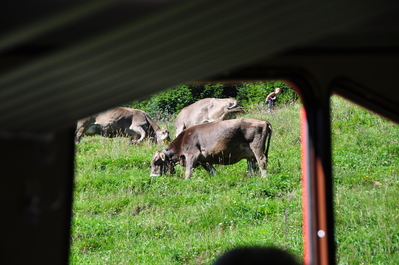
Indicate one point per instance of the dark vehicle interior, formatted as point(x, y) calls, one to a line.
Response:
point(65, 60)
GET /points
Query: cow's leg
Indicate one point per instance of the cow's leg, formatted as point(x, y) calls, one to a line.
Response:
point(252, 166)
point(88, 130)
point(137, 130)
point(209, 167)
point(78, 134)
point(261, 159)
point(262, 165)
point(190, 162)
point(189, 172)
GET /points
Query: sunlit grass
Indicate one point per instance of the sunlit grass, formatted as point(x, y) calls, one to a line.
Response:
point(124, 216)
point(366, 159)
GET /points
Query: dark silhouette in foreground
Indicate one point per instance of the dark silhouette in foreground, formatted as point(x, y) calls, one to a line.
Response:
point(256, 256)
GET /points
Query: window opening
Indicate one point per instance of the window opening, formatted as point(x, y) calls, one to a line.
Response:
point(122, 215)
point(365, 153)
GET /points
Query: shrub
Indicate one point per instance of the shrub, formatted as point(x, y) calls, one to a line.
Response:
point(254, 93)
point(171, 101)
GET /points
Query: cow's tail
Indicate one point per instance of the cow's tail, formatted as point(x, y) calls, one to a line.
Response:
point(153, 125)
point(269, 131)
point(235, 108)
point(235, 104)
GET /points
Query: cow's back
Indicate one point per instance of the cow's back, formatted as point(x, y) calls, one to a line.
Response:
point(247, 127)
point(193, 114)
point(218, 108)
point(141, 118)
point(113, 115)
point(204, 110)
point(121, 121)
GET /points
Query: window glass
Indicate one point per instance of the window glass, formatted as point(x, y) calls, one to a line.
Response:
point(365, 151)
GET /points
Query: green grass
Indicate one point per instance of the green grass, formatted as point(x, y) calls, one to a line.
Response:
point(121, 215)
point(366, 160)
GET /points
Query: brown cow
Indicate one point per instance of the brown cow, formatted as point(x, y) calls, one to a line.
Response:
point(207, 110)
point(122, 122)
point(223, 142)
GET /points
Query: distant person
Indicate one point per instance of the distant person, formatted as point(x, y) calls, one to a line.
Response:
point(271, 98)
point(256, 256)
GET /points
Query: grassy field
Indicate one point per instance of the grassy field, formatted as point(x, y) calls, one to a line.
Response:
point(122, 215)
point(366, 174)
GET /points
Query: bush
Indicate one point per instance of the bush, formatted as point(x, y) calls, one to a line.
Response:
point(171, 101)
point(254, 93)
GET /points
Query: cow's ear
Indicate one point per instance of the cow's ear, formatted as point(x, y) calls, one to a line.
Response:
point(163, 157)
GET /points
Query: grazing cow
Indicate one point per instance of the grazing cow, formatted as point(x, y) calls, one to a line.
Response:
point(223, 142)
point(207, 110)
point(122, 122)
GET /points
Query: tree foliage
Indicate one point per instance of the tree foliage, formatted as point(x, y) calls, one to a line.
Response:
point(171, 101)
point(253, 93)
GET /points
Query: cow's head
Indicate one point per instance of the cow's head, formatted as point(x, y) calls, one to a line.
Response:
point(161, 164)
point(162, 136)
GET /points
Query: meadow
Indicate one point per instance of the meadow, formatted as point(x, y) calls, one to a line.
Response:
point(121, 215)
